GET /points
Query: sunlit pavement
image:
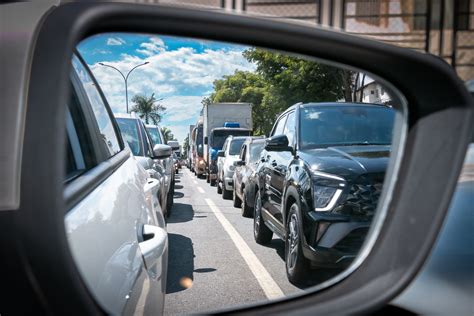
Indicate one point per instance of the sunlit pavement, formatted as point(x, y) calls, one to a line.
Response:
point(214, 261)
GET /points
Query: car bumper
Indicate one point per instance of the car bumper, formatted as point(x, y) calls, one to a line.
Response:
point(335, 240)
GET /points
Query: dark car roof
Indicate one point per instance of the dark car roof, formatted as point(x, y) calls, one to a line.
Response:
point(325, 104)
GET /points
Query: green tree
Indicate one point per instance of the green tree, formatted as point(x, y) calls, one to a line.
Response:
point(186, 146)
point(167, 134)
point(280, 81)
point(148, 108)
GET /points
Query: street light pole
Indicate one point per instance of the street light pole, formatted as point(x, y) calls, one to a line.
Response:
point(125, 78)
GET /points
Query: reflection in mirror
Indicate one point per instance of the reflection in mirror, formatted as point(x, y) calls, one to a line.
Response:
point(250, 218)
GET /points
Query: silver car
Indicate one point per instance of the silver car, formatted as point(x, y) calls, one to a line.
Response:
point(137, 138)
point(167, 164)
point(225, 165)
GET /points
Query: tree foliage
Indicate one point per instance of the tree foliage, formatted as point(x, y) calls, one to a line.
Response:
point(167, 134)
point(148, 108)
point(278, 82)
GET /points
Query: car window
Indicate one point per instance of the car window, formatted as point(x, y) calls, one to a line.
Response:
point(79, 156)
point(129, 130)
point(235, 146)
point(255, 151)
point(155, 135)
point(110, 142)
point(278, 130)
point(289, 129)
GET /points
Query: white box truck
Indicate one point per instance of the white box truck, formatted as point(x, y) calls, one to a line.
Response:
point(221, 120)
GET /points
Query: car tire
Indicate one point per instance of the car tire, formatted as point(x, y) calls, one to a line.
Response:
point(208, 178)
point(237, 201)
point(213, 183)
point(261, 233)
point(247, 211)
point(219, 188)
point(296, 265)
point(226, 194)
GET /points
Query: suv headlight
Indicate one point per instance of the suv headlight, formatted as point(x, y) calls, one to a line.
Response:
point(327, 189)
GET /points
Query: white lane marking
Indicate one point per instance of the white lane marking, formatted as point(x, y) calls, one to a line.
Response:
point(201, 190)
point(268, 285)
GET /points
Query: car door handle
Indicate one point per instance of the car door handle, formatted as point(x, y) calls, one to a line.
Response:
point(154, 244)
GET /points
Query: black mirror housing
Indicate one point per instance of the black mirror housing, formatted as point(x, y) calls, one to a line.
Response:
point(206, 140)
point(221, 153)
point(278, 143)
point(239, 163)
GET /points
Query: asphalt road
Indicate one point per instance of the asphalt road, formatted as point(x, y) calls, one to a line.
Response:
point(214, 262)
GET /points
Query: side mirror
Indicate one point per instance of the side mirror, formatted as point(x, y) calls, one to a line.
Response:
point(174, 145)
point(205, 140)
point(162, 151)
point(239, 163)
point(278, 143)
point(221, 153)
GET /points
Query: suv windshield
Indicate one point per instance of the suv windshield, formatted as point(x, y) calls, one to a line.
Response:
point(219, 136)
point(155, 135)
point(235, 146)
point(322, 126)
point(130, 133)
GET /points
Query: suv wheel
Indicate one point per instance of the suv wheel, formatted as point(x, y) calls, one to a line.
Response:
point(297, 266)
point(237, 201)
point(262, 234)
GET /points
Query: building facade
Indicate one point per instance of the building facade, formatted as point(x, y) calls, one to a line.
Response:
point(441, 27)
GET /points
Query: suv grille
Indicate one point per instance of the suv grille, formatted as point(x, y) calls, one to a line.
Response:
point(363, 196)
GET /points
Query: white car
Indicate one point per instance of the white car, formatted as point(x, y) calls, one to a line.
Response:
point(225, 165)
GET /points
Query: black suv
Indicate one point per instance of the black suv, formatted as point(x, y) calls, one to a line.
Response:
point(319, 181)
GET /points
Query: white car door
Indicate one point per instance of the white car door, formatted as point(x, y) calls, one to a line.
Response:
point(116, 232)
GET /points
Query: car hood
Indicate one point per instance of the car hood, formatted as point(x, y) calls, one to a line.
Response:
point(348, 161)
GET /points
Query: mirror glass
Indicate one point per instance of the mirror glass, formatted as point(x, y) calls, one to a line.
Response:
point(283, 222)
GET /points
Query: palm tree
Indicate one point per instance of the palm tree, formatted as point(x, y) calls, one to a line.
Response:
point(167, 134)
point(148, 108)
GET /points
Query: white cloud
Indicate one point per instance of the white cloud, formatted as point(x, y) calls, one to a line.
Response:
point(182, 77)
point(115, 41)
point(153, 47)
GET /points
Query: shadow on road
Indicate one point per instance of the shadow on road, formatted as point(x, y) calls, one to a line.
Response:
point(178, 195)
point(178, 186)
point(181, 212)
point(180, 263)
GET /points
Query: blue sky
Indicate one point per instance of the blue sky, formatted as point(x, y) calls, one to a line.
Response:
point(180, 70)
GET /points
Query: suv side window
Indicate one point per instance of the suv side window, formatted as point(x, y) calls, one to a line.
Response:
point(278, 130)
point(290, 128)
point(108, 141)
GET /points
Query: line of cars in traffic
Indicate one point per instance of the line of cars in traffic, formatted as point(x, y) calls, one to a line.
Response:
point(148, 145)
point(315, 182)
